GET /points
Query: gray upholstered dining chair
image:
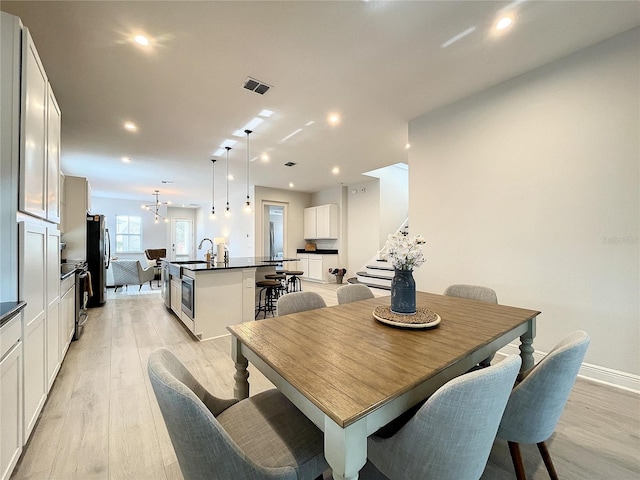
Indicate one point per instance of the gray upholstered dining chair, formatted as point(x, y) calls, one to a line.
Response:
point(353, 293)
point(474, 292)
point(299, 302)
point(262, 437)
point(538, 400)
point(450, 436)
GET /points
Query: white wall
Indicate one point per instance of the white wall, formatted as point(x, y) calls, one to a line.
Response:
point(394, 201)
point(238, 229)
point(532, 188)
point(363, 224)
point(295, 203)
point(154, 235)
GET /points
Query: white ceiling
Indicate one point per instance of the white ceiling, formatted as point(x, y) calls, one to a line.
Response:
point(378, 64)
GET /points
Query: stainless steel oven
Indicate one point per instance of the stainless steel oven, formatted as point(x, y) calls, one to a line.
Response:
point(82, 297)
point(82, 290)
point(188, 296)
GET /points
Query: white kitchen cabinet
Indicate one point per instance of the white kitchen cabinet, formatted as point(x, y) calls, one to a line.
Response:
point(176, 296)
point(11, 377)
point(327, 221)
point(303, 264)
point(33, 129)
point(32, 290)
point(321, 222)
point(310, 223)
point(67, 314)
point(53, 158)
point(316, 266)
point(39, 118)
point(53, 305)
point(77, 202)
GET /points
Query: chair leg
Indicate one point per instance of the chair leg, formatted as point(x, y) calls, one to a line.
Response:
point(547, 460)
point(516, 458)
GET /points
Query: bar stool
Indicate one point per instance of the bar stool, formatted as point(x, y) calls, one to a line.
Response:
point(280, 278)
point(267, 296)
point(293, 282)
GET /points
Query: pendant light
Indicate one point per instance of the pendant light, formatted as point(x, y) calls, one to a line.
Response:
point(155, 207)
point(247, 206)
point(227, 212)
point(213, 188)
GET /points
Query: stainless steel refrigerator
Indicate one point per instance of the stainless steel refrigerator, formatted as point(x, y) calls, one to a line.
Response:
point(98, 255)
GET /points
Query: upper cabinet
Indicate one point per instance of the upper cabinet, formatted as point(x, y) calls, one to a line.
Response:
point(54, 190)
point(321, 222)
point(39, 117)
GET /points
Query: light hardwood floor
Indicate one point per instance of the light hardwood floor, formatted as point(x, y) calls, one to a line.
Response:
point(101, 420)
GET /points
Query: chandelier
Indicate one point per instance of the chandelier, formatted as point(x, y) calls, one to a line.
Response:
point(154, 208)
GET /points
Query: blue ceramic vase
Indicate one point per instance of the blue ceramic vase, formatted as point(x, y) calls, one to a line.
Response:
point(403, 293)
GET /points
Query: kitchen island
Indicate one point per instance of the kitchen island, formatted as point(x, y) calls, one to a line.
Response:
point(213, 295)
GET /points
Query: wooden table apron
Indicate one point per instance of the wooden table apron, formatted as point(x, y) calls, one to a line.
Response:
point(351, 374)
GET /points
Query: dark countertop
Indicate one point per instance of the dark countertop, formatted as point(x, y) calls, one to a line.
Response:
point(319, 251)
point(234, 262)
point(8, 310)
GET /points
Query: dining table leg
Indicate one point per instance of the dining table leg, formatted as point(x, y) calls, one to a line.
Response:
point(526, 346)
point(345, 449)
point(241, 377)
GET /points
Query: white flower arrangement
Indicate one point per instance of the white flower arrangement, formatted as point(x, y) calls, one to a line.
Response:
point(404, 252)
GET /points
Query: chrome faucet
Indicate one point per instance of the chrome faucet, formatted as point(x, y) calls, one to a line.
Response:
point(207, 240)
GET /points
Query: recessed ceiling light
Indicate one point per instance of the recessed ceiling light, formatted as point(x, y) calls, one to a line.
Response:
point(264, 157)
point(231, 176)
point(504, 22)
point(126, 160)
point(290, 184)
point(130, 126)
point(335, 170)
point(141, 40)
point(407, 146)
point(333, 118)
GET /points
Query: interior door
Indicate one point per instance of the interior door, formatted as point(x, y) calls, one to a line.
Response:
point(274, 231)
point(182, 243)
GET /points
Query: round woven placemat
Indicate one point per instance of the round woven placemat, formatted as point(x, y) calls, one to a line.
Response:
point(423, 316)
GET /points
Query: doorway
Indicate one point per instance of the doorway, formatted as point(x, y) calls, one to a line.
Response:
point(274, 222)
point(182, 245)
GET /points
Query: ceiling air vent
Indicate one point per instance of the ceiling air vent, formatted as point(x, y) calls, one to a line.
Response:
point(256, 85)
point(289, 164)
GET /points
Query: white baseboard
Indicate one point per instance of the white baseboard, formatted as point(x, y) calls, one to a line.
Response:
point(615, 378)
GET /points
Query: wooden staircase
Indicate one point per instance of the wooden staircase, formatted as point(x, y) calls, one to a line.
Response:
point(377, 274)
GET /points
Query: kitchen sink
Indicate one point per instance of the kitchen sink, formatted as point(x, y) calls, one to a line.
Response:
point(175, 269)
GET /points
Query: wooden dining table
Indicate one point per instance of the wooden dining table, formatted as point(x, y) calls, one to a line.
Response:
point(351, 374)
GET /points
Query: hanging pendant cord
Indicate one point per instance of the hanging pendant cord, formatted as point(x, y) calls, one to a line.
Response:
point(248, 132)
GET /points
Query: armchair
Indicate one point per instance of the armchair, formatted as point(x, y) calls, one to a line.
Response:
point(131, 272)
point(153, 259)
